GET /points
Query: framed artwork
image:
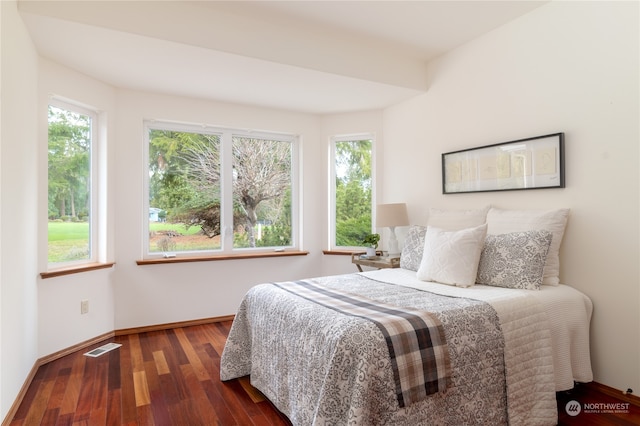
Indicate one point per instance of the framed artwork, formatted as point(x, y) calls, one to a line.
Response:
point(531, 163)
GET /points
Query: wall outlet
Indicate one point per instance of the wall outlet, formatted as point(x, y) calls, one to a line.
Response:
point(84, 307)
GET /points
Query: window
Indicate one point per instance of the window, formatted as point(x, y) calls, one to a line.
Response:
point(72, 183)
point(218, 191)
point(351, 190)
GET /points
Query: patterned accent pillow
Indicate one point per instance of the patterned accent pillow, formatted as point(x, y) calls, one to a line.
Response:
point(413, 248)
point(506, 221)
point(514, 260)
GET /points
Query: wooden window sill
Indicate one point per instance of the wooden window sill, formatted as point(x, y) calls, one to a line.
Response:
point(164, 261)
point(341, 252)
point(76, 269)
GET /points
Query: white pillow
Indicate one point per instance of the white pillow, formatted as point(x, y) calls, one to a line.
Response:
point(452, 257)
point(506, 221)
point(514, 260)
point(449, 220)
point(454, 220)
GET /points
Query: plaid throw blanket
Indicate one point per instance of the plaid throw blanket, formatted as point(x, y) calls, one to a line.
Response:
point(415, 339)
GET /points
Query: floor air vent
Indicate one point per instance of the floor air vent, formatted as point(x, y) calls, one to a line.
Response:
point(103, 349)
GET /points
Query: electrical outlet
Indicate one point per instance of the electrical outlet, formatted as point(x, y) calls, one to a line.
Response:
point(84, 307)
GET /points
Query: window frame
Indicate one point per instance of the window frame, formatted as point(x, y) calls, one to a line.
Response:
point(226, 135)
point(332, 185)
point(95, 171)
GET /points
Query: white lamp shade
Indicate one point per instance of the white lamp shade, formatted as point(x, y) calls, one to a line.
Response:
point(390, 215)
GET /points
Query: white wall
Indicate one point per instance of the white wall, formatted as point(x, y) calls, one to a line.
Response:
point(566, 67)
point(19, 205)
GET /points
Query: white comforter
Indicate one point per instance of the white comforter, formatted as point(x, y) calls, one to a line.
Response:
point(568, 311)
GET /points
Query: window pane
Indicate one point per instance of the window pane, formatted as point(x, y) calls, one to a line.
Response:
point(352, 191)
point(184, 191)
point(261, 192)
point(69, 165)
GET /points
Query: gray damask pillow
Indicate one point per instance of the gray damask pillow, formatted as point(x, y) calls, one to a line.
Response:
point(514, 260)
point(413, 248)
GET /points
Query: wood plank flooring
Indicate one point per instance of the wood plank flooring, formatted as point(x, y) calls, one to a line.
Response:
point(168, 377)
point(171, 377)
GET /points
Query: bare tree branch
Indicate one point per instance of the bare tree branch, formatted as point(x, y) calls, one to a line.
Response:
point(261, 172)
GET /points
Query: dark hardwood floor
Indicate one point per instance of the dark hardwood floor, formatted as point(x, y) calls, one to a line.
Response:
point(171, 377)
point(168, 377)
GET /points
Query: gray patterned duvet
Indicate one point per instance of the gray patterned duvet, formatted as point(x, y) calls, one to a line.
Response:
point(321, 367)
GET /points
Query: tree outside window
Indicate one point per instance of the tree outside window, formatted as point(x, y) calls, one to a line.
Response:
point(71, 134)
point(202, 184)
point(352, 160)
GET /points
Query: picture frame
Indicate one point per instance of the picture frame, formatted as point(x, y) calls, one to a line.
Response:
point(531, 163)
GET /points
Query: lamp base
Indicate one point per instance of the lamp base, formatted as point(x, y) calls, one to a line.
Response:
point(394, 250)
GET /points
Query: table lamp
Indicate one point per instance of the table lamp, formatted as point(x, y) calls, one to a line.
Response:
point(390, 216)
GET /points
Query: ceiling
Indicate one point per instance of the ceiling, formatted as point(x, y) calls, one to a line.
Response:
point(318, 57)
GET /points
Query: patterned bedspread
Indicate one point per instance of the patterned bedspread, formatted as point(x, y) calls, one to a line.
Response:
point(319, 366)
point(415, 338)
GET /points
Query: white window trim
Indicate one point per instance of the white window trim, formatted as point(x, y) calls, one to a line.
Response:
point(226, 213)
point(332, 184)
point(97, 223)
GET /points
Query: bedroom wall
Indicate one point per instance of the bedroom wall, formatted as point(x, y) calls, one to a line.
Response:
point(565, 67)
point(18, 204)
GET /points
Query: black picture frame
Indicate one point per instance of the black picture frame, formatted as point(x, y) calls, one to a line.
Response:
point(530, 163)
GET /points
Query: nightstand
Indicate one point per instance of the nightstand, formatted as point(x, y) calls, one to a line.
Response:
point(378, 262)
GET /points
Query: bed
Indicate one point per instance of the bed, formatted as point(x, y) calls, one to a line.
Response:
point(320, 349)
